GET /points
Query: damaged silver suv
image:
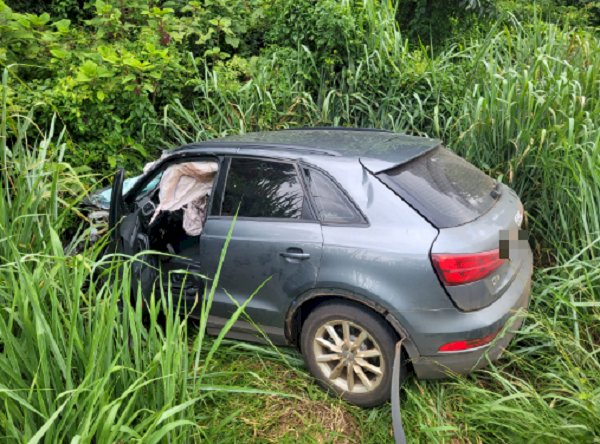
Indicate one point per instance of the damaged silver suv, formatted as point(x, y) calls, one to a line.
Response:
point(367, 237)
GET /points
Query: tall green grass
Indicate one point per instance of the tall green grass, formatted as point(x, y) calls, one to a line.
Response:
point(544, 389)
point(78, 361)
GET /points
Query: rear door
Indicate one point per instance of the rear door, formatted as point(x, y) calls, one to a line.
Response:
point(276, 238)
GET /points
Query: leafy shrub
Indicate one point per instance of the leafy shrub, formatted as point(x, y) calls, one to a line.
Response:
point(327, 28)
point(435, 22)
point(568, 12)
point(110, 80)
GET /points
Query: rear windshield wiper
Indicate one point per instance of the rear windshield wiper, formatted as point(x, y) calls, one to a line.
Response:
point(496, 191)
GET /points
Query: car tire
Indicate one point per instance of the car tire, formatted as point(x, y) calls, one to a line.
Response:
point(349, 349)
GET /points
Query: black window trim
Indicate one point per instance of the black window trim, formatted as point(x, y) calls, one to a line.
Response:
point(220, 186)
point(222, 183)
point(359, 213)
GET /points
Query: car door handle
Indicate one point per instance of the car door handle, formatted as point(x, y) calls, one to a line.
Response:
point(295, 255)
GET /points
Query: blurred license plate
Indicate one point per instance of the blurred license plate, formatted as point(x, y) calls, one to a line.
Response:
point(511, 240)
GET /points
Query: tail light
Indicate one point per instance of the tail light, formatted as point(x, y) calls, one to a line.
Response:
point(467, 344)
point(458, 269)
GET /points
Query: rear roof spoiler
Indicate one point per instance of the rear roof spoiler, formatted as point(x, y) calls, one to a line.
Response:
point(406, 155)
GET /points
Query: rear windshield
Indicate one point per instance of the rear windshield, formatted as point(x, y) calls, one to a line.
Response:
point(443, 187)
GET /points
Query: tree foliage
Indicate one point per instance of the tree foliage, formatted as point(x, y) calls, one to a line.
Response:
point(109, 75)
point(111, 69)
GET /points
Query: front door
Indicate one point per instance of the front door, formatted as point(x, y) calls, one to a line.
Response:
point(129, 237)
point(276, 238)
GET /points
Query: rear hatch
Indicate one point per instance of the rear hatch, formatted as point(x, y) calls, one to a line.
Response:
point(472, 212)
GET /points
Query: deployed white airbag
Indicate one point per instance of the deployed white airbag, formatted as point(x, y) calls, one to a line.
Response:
point(187, 185)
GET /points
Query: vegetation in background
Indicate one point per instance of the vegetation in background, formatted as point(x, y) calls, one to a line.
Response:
point(434, 22)
point(78, 361)
point(89, 85)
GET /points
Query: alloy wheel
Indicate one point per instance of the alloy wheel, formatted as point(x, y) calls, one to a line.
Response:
point(348, 356)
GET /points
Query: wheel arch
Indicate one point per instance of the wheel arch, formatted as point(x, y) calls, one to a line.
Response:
point(300, 308)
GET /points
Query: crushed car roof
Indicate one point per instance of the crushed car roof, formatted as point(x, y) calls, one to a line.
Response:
point(369, 145)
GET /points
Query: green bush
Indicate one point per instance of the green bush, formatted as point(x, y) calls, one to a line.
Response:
point(435, 22)
point(328, 29)
point(109, 80)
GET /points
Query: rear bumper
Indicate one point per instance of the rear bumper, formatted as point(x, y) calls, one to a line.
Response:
point(442, 365)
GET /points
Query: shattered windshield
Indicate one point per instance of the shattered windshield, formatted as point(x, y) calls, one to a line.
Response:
point(101, 199)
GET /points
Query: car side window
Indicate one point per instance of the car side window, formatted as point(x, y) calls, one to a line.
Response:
point(263, 188)
point(331, 204)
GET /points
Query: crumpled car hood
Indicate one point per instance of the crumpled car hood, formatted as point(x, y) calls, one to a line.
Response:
point(101, 199)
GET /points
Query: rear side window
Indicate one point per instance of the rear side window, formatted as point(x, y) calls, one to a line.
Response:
point(332, 206)
point(443, 187)
point(263, 188)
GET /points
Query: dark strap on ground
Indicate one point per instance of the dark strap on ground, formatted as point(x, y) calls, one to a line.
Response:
point(399, 435)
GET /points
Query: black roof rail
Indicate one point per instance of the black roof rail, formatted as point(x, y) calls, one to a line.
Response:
point(336, 128)
point(284, 147)
point(254, 145)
